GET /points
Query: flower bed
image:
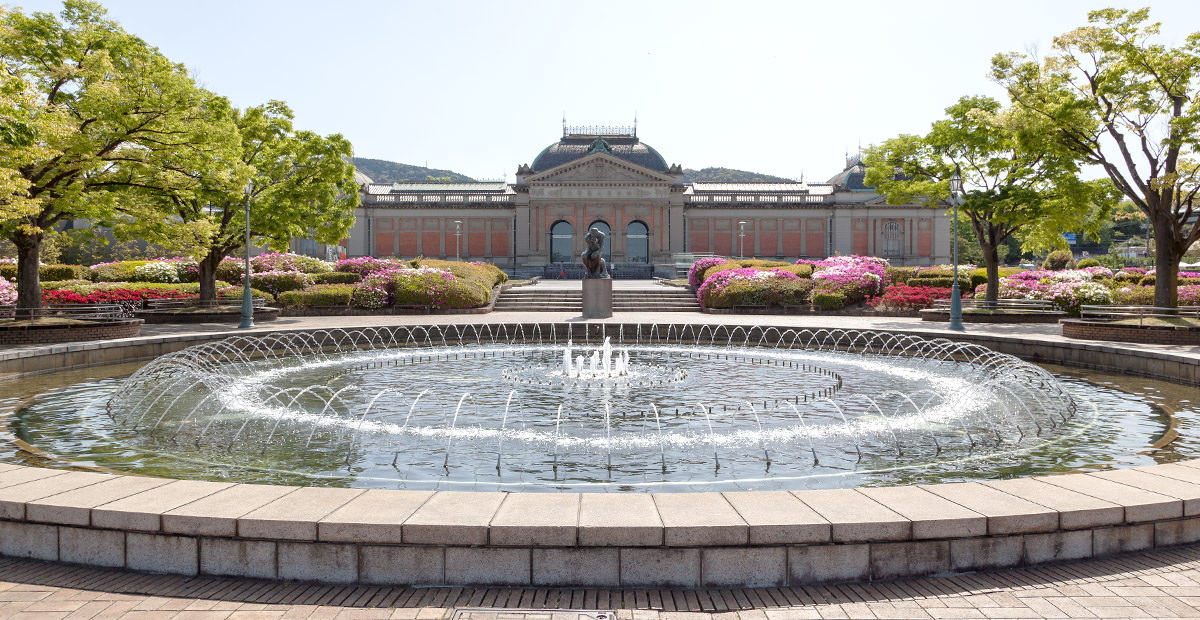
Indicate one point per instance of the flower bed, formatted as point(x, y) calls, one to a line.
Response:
point(749, 286)
point(905, 297)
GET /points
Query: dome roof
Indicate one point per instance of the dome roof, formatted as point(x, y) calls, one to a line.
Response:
point(851, 177)
point(575, 146)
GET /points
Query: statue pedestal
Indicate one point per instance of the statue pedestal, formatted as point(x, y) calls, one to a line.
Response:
point(597, 298)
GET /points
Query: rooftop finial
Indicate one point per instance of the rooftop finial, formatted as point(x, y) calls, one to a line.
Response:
point(564, 123)
point(635, 123)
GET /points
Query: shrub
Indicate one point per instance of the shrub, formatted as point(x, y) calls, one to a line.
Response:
point(1088, 262)
point(133, 297)
point(979, 276)
point(8, 292)
point(120, 271)
point(276, 282)
point(855, 277)
point(367, 265)
point(1134, 296)
point(1189, 295)
point(55, 285)
point(318, 295)
point(336, 277)
point(231, 269)
point(369, 297)
point(1058, 260)
point(156, 271)
point(233, 294)
point(897, 275)
point(905, 297)
point(435, 288)
point(481, 274)
point(749, 286)
point(964, 282)
point(1185, 278)
point(275, 261)
point(829, 301)
point(696, 273)
point(46, 272)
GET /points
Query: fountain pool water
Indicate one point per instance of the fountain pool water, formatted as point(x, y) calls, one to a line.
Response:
point(640, 409)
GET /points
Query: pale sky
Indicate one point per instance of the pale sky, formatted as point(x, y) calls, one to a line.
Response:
point(481, 87)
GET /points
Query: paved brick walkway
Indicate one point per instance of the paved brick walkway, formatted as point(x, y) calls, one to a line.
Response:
point(1160, 584)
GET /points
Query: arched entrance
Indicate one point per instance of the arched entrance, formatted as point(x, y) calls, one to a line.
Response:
point(637, 243)
point(604, 228)
point(562, 242)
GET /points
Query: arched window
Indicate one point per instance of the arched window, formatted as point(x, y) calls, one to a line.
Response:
point(562, 238)
point(637, 243)
point(893, 238)
point(607, 247)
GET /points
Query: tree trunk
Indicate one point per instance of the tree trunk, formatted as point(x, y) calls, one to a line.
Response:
point(208, 276)
point(991, 261)
point(29, 284)
point(1166, 263)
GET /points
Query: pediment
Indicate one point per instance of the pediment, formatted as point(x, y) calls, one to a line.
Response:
point(599, 168)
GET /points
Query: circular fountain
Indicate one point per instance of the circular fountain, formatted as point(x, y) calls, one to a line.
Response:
point(646, 408)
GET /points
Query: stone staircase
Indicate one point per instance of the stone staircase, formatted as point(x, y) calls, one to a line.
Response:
point(531, 299)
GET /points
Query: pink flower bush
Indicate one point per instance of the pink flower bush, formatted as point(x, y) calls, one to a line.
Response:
point(854, 277)
point(286, 261)
point(367, 265)
point(749, 286)
point(8, 292)
point(699, 267)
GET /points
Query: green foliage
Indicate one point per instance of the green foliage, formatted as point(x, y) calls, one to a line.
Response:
point(1087, 262)
point(802, 270)
point(318, 295)
point(382, 171)
point(896, 275)
point(964, 282)
point(276, 282)
point(1012, 181)
point(336, 277)
point(1150, 280)
point(829, 301)
point(233, 294)
point(1059, 260)
point(1111, 95)
point(8, 271)
point(485, 275)
point(728, 175)
point(979, 276)
point(112, 117)
point(768, 292)
point(1112, 261)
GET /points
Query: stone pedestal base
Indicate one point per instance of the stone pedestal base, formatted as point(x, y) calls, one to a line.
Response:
point(597, 298)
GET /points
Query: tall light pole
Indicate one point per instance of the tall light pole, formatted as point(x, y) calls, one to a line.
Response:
point(457, 238)
point(741, 239)
point(247, 300)
point(956, 323)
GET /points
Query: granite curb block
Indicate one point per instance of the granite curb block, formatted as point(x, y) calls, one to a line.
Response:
point(752, 538)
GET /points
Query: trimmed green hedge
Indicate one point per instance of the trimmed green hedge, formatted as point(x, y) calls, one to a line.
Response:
point(48, 272)
point(979, 276)
point(318, 295)
point(802, 270)
point(770, 292)
point(336, 277)
point(829, 301)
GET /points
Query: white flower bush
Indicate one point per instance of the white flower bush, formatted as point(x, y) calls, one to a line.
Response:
point(157, 271)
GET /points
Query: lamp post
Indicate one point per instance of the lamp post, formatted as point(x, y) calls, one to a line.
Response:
point(956, 323)
point(741, 239)
point(457, 238)
point(247, 300)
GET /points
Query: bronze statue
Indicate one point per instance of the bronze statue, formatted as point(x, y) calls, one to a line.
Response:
point(594, 265)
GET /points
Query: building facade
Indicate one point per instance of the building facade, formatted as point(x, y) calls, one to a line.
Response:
point(609, 179)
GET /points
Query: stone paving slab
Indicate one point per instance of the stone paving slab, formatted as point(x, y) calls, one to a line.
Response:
point(1160, 584)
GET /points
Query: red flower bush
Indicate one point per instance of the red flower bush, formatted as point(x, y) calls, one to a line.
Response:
point(905, 297)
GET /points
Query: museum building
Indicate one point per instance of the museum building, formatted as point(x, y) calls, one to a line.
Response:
point(607, 178)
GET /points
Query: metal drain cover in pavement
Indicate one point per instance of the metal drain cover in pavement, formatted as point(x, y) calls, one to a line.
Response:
point(481, 613)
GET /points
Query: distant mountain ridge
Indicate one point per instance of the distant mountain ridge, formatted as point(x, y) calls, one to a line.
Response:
point(729, 175)
point(383, 171)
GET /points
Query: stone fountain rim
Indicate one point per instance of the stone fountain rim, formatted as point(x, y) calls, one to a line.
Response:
point(584, 539)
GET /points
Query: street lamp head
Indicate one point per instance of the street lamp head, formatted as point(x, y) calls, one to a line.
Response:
point(956, 181)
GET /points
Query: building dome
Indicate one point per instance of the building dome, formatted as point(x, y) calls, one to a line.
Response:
point(576, 145)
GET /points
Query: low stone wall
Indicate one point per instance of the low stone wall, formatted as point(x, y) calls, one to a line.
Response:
point(998, 317)
point(53, 334)
point(1093, 330)
point(686, 540)
point(157, 317)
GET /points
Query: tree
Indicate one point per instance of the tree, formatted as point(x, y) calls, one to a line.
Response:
point(300, 185)
point(98, 103)
point(1114, 98)
point(1011, 182)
